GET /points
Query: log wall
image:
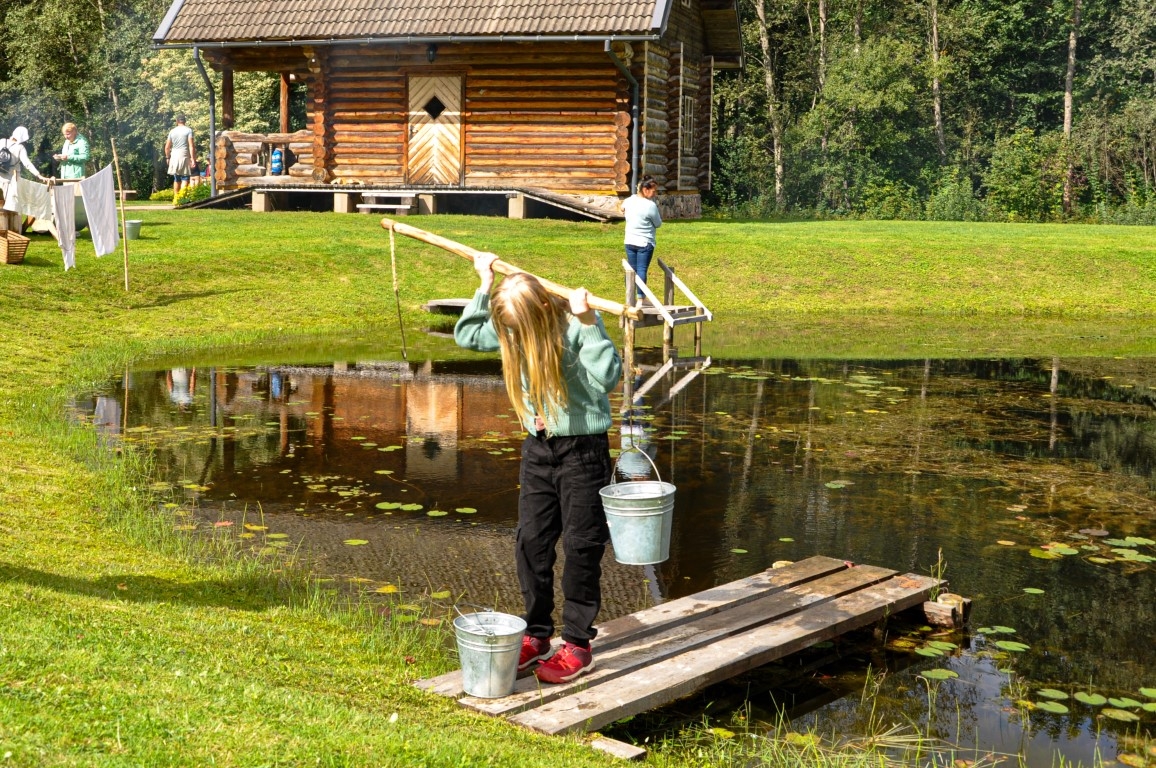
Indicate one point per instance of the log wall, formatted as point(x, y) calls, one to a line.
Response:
point(549, 115)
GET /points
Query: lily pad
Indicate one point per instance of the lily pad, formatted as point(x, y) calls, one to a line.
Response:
point(938, 674)
point(383, 471)
point(1033, 591)
point(1139, 541)
point(1124, 703)
point(388, 505)
point(1122, 715)
point(1011, 645)
point(1091, 699)
point(1149, 692)
point(466, 510)
point(440, 595)
point(1044, 554)
point(739, 551)
point(355, 542)
point(929, 652)
point(1054, 707)
point(942, 645)
point(410, 507)
point(1052, 693)
point(437, 513)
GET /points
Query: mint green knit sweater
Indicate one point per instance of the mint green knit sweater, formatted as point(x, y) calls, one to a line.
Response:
point(590, 364)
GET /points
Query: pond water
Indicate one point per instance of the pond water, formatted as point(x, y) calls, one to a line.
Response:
point(1032, 482)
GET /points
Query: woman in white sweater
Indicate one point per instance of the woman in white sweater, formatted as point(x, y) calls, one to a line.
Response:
point(642, 219)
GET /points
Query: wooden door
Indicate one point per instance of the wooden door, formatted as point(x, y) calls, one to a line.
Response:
point(435, 130)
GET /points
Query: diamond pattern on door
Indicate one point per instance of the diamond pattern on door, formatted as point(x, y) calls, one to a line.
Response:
point(435, 130)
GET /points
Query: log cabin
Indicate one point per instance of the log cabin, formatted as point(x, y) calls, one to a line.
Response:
point(562, 103)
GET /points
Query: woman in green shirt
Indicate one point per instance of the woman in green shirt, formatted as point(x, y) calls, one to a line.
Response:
point(74, 156)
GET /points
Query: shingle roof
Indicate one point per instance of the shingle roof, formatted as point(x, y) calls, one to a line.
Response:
point(241, 20)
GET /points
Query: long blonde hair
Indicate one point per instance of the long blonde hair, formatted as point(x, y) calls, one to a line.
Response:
point(530, 324)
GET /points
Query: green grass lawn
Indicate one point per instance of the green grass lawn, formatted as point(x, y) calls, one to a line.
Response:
point(125, 643)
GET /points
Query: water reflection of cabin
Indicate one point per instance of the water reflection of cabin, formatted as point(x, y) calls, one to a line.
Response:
point(437, 97)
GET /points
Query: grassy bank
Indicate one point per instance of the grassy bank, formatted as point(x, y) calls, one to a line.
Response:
point(125, 643)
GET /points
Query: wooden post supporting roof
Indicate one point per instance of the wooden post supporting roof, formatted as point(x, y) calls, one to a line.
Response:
point(284, 102)
point(227, 117)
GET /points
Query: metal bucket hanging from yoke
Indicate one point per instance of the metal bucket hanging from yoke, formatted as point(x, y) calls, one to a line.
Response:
point(639, 513)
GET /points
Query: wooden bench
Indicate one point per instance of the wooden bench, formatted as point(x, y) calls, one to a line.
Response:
point(126, 194)
point(402, 208)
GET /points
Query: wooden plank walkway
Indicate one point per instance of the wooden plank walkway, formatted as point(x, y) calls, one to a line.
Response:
point(655, 656)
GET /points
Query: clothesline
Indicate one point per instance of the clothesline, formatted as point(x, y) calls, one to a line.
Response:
point(56, 204)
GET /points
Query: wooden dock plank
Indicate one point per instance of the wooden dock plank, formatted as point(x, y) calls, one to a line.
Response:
point(682, 675)
point(710, 601)
point(671, 641)
point(617, 631)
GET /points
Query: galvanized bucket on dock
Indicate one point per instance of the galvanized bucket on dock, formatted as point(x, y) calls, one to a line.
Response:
point(488, 646)
point(639, 514)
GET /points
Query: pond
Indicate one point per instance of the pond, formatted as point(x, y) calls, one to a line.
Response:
point(1030, 482)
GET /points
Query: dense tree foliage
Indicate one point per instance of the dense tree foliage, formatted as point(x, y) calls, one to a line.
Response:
point(92, 63)
point(945, 109)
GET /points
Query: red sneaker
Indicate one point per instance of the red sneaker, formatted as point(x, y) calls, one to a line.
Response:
point(568, 663)
point(534, 649)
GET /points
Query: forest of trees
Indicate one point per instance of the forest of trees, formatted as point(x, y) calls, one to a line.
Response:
point(1023, 110)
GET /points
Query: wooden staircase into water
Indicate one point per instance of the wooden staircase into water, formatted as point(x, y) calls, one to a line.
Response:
point(655, 656)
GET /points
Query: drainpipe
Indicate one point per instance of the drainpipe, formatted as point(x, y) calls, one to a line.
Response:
point(634, 99)
point(212, 154)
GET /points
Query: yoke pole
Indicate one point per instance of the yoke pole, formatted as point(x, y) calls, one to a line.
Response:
point(505, 268)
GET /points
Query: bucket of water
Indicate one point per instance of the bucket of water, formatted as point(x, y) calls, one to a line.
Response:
point(132, 229)
point(488, 646)
point(639, 513)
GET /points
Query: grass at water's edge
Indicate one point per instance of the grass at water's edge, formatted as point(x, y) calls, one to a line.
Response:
point(125, 642)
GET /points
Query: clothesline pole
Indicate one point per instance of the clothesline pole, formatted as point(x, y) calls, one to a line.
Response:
point(120, 194)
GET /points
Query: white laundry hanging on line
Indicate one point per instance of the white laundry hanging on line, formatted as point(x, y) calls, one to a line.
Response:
point(33, 199)
point(100, 207)
point(64, 203)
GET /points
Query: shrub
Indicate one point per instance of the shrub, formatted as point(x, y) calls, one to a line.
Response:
point(164, 195)
point(1026, 179)
point(193, 194)
point(954, 198)
point(886, 199)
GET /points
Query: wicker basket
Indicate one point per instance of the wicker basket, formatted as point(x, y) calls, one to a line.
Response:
point(13, 247)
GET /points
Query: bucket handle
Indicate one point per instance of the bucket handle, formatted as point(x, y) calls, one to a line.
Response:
point(645, 455)
point(488, 631)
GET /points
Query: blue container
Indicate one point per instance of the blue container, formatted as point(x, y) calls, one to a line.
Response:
point(277, 165)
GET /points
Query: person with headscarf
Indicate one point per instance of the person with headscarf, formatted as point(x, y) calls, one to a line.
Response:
point(13, 150)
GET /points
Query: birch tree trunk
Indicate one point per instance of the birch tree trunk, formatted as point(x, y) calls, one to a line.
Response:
point(1069, 78)
point(936, 100)
point(774, 109)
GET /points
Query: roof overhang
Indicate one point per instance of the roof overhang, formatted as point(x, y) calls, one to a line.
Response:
point(401, 40)
point(723, 30)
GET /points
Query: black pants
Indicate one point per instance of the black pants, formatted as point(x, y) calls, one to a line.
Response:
point(560, 479)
